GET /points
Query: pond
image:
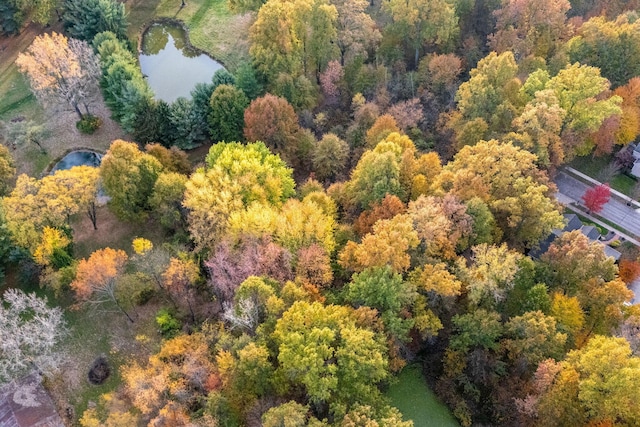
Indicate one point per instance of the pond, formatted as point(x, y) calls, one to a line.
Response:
point(413, 397)
point(78, 158)
point(173, 68)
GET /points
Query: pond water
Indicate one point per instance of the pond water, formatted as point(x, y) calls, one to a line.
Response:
point(171, 67)
point(78, 158)
point(413, 397)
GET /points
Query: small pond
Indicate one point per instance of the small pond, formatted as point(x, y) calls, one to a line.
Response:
point(171, 66)
point(78, 158)
point(413, 397)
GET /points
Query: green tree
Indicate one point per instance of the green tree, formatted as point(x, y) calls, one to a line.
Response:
point(247, 81)
point(424, 23)
point(532, 338)
point(329, 157)
point(325, 351)
point(125, 90)
point(226, 118)
point(383, 289)
point(166, 199)
point(578, 89)
point(488, 102)
point(84, 19)
point(38, 11)
point(611, 46)
point(128, 177)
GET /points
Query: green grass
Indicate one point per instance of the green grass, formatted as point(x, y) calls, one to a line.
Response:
point(417, 402)
point(16, 98)
point(592, 166)
point(623, 183)
point(212, 27)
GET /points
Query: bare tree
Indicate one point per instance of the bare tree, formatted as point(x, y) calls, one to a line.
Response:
point(29, 334)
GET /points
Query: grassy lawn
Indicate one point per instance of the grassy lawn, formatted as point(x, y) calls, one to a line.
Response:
point(212, 27)
point(111, 233)
point(413, 397)
point(592, 166)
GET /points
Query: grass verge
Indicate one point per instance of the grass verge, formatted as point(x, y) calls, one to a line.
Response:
point(413, 397)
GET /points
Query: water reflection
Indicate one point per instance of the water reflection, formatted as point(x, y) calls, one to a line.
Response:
point(173, 69)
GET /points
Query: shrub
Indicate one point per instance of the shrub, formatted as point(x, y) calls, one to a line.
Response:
point(89, 124)
point(168, 324)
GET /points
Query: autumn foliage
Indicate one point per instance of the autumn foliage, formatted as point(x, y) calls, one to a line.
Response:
point(595, 198)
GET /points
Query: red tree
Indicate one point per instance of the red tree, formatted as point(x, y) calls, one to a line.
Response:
point(595, 198)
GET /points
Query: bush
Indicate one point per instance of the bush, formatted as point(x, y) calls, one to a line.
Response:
point(168, 324)
point(89, 124)
point(144, 295)
point(99, 371)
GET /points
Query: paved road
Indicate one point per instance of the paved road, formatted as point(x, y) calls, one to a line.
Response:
point(615, 210)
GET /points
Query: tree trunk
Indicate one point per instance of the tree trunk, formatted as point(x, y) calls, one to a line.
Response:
point(75, 107)
point(91, 211)
point(123, 311)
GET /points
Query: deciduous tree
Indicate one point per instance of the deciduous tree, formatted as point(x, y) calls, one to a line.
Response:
point(507, 179)
point(329, 157)
point(596, 384)
point(271, 119)
point(325, 351)
point(424, 23)
point(388, 244)
point(214, 193)
point(61, 71)
point(7, 170)
point(128, 176)
point(29, 334)
point(566, 256)
point(96, 278)
point(530, 27)
point(596, 197)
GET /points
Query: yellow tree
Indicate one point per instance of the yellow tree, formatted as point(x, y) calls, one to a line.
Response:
point(179, 374)
point(179, 278)
point(34, 204)
point(596, 385)
point(506, 178)
point(491, 273)
point(388, 244)
point(236, 176)
point(442, 224)
point(7, 169)
point(61, 71)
